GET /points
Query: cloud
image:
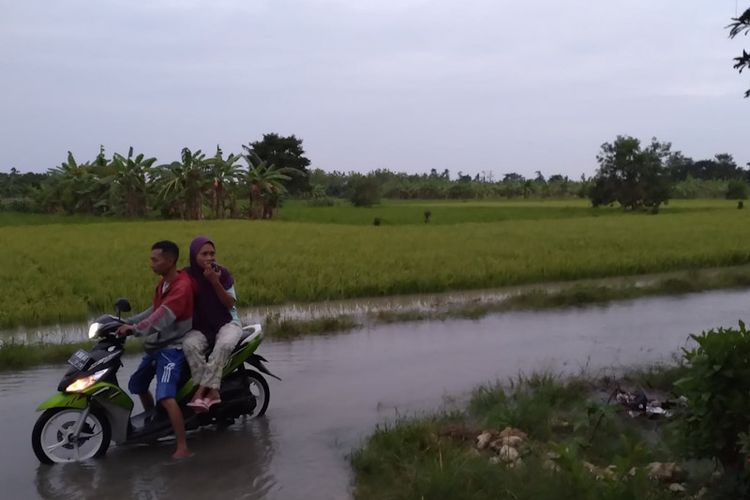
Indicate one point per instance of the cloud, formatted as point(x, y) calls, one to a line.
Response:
point(407, 84)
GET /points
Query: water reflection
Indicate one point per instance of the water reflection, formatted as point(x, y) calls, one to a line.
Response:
point(234, 461)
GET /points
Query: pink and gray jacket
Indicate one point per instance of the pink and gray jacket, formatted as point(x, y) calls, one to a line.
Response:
point(170, 317)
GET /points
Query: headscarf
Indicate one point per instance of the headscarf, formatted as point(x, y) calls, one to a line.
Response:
point(196, 271)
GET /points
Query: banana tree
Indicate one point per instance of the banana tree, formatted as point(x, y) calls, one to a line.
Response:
point(76, 186)
point(129, 180)
point(223, 173)
point(265, 183)
point(183, 183)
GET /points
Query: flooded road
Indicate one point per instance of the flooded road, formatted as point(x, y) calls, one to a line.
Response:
point(336, 388)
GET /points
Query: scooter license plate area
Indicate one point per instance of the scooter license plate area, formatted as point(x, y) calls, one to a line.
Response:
point(80, 360)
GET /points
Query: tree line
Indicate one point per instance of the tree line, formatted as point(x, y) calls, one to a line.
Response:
point(251, 183)
point(254, 182)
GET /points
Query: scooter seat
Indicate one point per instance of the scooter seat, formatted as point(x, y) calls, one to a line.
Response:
point(247, 332)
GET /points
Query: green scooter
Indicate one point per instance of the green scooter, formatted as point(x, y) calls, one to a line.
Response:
point(91, 410)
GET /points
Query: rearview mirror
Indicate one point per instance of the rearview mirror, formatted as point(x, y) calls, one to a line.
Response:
point(122, 305)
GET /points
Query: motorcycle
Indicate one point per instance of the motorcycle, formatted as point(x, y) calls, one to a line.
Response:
point(91, 410)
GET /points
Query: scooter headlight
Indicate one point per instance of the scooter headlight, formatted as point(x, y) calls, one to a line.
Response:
point(93, 329)
point(85, 382)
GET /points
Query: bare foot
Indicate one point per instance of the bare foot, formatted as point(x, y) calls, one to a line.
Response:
point(182, 453)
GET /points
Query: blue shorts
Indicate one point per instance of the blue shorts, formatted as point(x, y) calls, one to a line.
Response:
point(167, 365)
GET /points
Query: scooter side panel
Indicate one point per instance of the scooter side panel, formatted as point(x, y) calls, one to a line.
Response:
point(240, 356)
point(118, 417)
point(105, 391)
point(64, 400)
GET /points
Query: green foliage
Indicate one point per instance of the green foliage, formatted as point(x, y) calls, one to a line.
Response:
point(692, 188)
point(265, 183)
point(365, 192)
point(632, 176)
point(321, 202)
point(284, 153)
point(432, 457)
point(716, 385)
point(737, 190)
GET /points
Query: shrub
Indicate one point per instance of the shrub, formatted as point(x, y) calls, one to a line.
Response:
point(365, 192)
point(716, 385)
point(737, 190)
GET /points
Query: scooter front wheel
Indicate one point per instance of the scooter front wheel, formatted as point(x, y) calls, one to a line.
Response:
point(61, 436)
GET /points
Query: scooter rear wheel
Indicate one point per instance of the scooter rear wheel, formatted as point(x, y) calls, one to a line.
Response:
point(261, 392)
point(53, 442)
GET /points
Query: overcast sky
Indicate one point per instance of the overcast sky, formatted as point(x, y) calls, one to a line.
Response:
point(408, 85)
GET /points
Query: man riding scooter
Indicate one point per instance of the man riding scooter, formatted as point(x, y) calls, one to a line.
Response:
point(163, 326)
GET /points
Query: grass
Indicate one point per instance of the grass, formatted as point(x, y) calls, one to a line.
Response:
point(573, 436)
point(448, 212)
point(59, 273)
point(579, 294)
point(290, 328)
point(31, 219)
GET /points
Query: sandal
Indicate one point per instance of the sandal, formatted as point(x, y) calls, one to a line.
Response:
point(210, 402)
point(198, 406)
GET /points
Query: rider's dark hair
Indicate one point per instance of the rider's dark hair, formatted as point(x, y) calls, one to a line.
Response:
point(167, 247)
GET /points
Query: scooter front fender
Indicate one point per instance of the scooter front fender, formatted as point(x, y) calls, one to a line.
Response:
point(65, 400)
point(110, 398)
point(101, 391)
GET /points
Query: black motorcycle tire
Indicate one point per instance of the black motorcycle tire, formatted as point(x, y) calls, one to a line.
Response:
point(36, 434)
point(260, 380)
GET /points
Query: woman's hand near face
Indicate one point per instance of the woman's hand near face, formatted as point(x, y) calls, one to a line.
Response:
point(210, 274)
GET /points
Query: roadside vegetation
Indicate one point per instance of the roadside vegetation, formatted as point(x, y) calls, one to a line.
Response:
point(15, 355)
point(541, 436)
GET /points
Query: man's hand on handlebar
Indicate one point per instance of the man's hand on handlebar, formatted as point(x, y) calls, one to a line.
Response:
point(125, 330)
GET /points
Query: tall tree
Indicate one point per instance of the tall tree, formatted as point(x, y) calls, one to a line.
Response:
point(284, 152)
point(633, 176)
point(740, 25)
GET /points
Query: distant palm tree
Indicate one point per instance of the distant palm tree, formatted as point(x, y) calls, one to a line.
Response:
point(223, 173)
point(317, 191)
point(265, 183)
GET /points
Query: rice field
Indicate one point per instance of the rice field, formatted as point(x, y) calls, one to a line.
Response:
point(68, 271)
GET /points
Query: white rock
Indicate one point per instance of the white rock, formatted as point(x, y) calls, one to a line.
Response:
point(508, 454)
point(513, 441)
point(483, 440)
point(663, 471)
point(677, 488)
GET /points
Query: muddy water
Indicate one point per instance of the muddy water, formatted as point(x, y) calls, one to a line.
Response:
point(337, 388)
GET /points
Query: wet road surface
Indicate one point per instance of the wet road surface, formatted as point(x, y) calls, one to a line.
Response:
point(336, 388)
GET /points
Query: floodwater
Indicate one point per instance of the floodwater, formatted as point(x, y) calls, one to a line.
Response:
point(337, 388)
point(361, 308)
